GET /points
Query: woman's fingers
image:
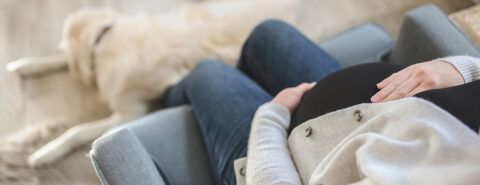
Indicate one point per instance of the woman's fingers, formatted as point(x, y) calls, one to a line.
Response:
point(382, 93)
point(384, 83)
point(400, 78)
point(290, 97)
point(387, 81)
point(305, 87)
point(404, 89)
point(422, 87)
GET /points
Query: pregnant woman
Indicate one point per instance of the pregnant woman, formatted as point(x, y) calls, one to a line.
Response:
point(358, 125)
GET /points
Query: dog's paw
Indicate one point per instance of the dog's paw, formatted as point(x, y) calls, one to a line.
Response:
point(40, 159)
point(30, 66)
point(23, 67)
point(46, 155)
point(14, 66)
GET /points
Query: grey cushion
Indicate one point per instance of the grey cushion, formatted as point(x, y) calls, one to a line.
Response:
point(120, 158)
point(362, 44)
point(427, 34)
point(171, 138)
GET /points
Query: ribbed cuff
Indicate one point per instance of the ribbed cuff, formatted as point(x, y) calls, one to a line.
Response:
point(468, 67)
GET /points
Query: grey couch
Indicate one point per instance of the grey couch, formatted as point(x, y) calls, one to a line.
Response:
point(166, 147)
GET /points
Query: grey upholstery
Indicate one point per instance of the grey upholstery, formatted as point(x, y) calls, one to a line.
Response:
point(363, 44)
point(113, 155)
point(169, 139)
point(427, 34)
point(172, 139)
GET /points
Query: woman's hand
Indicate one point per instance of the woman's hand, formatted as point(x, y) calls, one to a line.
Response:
point(290, 97)
point(418, 78)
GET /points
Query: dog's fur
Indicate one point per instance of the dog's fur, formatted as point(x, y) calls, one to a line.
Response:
point(133, 59)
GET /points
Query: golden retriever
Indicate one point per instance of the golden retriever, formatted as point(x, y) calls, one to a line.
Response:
point(133, 59)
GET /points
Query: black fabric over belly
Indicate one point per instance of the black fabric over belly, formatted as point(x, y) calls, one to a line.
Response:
point(357, 84)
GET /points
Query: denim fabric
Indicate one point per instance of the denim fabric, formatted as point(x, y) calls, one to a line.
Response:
point(225, 99)
point(277, 56)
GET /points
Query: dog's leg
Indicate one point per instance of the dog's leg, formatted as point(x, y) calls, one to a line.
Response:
point(74, 137)
point(37, 65)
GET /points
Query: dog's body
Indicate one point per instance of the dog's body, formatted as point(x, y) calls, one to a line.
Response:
point(132, 60)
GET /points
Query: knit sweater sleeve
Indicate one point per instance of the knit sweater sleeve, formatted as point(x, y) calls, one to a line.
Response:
point(268, 157)
point(469, 67)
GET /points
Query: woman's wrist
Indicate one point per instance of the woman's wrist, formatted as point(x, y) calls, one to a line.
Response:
point(468, 67)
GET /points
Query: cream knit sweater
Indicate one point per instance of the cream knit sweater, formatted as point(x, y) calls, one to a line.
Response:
point(408, 141)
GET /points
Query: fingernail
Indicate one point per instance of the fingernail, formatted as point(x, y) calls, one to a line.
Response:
point(374, 98)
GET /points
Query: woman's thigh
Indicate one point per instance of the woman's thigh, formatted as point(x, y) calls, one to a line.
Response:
point(355, 85)
point(277, 56)
point(224, 101)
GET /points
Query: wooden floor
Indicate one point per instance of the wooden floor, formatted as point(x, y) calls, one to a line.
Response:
point(32, 27)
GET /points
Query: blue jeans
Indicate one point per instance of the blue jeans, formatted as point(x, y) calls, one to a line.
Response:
point(224, 99)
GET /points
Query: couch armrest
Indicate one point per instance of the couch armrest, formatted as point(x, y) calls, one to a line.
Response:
point(120, 159)
point(170, 138)
point(174, 141)
point(362, 44)
point(427, 34)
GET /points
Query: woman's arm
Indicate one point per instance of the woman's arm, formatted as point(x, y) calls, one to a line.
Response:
point(269, 160)
point(440, 73)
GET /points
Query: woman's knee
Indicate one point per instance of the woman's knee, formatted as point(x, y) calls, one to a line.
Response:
point(270, 23)
point(266, 36)
point(208, 66)
point(269, 28)
point(208, 70)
